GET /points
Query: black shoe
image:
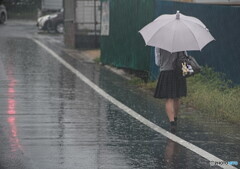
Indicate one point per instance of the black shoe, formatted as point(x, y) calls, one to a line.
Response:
point(173, 128)
point(175, 119)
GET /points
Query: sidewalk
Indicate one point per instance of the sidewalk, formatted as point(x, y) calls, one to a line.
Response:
point(93, 56)
point(85, 55)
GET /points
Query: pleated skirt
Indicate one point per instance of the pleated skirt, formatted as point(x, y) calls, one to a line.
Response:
point(169, 85)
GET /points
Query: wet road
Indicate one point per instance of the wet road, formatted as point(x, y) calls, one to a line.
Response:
point(51, 119)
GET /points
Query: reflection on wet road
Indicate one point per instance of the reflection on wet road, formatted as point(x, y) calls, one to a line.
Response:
point(50, 119)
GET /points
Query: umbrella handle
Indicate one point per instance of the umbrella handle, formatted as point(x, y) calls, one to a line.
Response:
point(178, 15)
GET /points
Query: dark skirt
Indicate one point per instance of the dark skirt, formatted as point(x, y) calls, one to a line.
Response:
point(170, 86)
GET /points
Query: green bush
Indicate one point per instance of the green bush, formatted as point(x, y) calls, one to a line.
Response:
point(210, 92)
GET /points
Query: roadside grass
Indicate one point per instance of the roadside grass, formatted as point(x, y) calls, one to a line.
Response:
point(142, 84)
point(211, 93)
point(208, 92)
point(97, 60)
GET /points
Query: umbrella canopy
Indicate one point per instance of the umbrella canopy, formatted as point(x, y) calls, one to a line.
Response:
point(176, 33)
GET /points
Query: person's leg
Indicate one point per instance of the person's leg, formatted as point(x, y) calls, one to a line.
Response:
point(176, 108)
point(170, 109)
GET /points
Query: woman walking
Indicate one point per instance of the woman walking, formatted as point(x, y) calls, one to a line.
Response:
point(169, 86)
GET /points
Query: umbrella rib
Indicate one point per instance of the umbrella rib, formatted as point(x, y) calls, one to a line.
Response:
point(199, 24)
point(192, 22)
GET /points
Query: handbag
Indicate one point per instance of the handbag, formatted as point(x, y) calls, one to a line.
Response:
point(186, 66)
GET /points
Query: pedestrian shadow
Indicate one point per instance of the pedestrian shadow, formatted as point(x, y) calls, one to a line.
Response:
point(171, 153)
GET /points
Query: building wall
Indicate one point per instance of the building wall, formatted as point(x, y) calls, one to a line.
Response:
point(52, 4)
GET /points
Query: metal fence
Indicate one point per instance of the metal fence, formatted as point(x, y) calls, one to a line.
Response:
point(224, 24)
point(124, 47)
point(87, 22)
point(88, 17)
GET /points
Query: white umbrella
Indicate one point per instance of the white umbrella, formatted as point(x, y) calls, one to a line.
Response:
point(176, 33)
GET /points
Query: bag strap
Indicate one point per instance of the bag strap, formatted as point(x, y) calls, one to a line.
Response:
point(187, 56)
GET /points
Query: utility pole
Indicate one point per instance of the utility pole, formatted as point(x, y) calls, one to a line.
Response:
point(69, 23)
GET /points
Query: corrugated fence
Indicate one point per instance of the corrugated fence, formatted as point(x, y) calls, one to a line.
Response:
point(125, 47)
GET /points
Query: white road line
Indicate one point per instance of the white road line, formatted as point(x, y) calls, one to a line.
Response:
point(134, 114)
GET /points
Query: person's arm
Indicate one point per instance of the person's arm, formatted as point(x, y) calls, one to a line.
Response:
point(157, 56)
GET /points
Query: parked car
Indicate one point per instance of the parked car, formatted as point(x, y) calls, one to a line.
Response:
point(3, 14)
point(52, 22)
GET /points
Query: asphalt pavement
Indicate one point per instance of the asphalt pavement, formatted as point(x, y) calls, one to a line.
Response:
point(51, 118)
